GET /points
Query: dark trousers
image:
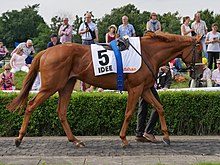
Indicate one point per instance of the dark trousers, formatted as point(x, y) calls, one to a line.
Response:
point(142, 116)
point(211, 56)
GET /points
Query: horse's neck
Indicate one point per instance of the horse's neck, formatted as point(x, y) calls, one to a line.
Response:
point(169, 51)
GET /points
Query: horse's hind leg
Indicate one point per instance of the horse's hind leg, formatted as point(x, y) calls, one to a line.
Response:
point(149, 97)
point(64, 98)
point(32, 105)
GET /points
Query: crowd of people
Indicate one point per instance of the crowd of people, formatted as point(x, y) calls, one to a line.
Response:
point(88, 31)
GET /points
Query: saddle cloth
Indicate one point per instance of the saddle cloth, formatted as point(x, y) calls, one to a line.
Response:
point(104, 61)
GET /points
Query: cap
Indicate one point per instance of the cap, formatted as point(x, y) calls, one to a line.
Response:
point(204, 61)
point(218, 61)
point(153, 14)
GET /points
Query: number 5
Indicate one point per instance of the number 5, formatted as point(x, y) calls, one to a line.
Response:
point(102, 54)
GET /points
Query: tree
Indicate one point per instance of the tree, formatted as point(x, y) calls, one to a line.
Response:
point(76, 24)
point(208, 17)
point(217, 19)
point(20, 25)
point(56, 23)
point(170, 22)
point(43, 37)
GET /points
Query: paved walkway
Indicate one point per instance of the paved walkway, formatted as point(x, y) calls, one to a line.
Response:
point(107, 150)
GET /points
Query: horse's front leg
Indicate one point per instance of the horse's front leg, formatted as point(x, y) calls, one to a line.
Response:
point(150, 98)
point(133, 95)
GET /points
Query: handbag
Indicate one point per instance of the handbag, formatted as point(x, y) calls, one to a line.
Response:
point(91, 32)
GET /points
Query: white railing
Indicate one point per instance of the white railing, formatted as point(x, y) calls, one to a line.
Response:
point(193, 89)
point(160, 90)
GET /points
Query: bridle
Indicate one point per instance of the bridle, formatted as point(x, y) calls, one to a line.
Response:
point(193, 60)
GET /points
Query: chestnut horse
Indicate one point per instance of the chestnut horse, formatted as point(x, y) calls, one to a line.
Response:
point(62, 65)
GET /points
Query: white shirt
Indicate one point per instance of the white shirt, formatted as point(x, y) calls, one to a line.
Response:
point(199, 27)
point(87, 35)
point(187, 28)
point(216, 75)
point(213, 47)
point(27, 51)
point(207, 73)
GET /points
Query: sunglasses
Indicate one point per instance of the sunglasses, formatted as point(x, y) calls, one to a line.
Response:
point(7, 68)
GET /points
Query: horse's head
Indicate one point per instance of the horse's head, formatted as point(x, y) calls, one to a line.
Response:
point(193, 53)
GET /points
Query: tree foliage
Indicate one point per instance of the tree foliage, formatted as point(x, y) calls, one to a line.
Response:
point(20, 25)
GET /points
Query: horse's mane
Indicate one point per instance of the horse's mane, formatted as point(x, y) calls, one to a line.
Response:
point(167, 37)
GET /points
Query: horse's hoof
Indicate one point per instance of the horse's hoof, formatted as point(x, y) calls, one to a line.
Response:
point(166, 141)
point(80, 144)
point(125, 145)
point(17, 142)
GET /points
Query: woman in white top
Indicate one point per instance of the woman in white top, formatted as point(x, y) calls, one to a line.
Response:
point(185, 28)
point(17, 61)
point(213, 41)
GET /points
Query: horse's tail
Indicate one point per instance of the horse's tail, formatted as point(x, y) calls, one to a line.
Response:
point(21, 99)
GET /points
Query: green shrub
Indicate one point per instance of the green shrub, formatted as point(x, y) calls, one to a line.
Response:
point(187, 113)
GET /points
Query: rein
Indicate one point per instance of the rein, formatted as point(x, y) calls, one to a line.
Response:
point(192, 64)
point(148, 65)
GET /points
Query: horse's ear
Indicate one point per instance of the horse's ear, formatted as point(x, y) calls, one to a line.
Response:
point(199, 38)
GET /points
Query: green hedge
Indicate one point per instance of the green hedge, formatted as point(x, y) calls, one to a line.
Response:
point(187, 113)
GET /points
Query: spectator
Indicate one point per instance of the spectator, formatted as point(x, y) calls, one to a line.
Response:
point(126, 29)
point(28, 50)
point(53, 41)
point(200, 28)
point(175, 65)
point(3, 50)
point(207, 74)
point(65, 31)
point(88, 30)
point(213, 41)
point(145, 133)
point(111, 34)
point(17, 61)
point(153, 24)
point(7, 78)
point(165, 78)
point(89, 34)
point(216, 75)
point(185, 28)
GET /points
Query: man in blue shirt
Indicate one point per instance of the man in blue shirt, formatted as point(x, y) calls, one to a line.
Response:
point(125, 29)
point(54, 41)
